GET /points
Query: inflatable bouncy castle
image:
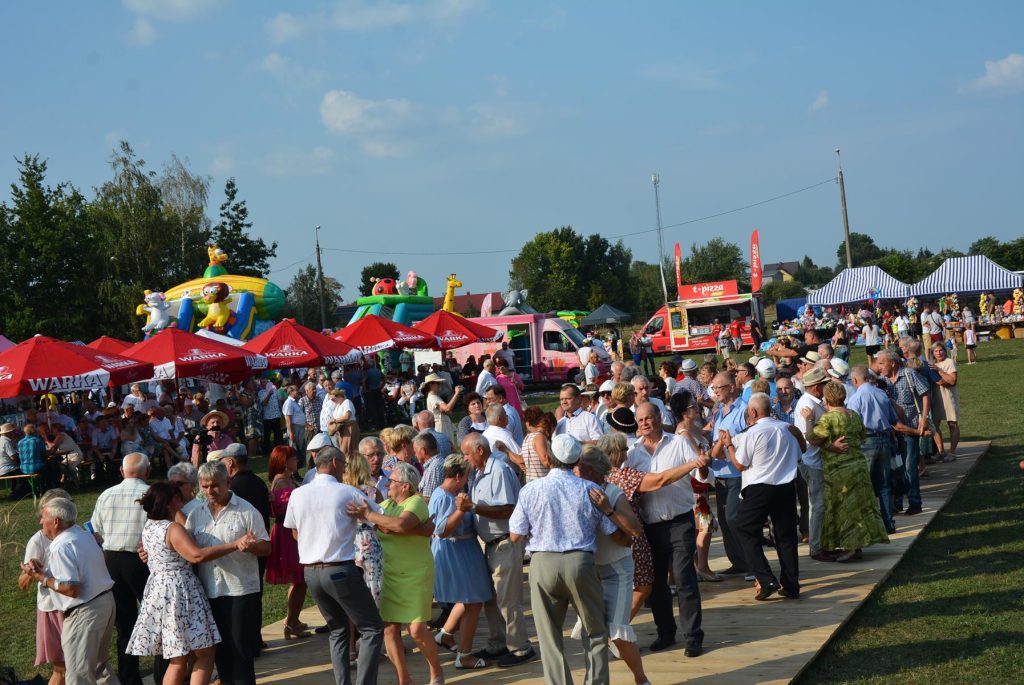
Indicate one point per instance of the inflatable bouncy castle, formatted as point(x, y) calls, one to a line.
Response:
point(406, 302)
point(237, 306)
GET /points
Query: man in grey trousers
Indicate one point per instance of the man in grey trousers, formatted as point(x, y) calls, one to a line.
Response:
point(317, 515)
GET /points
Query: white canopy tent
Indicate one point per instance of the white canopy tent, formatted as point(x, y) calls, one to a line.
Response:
point(857, 285)
point(965, 275)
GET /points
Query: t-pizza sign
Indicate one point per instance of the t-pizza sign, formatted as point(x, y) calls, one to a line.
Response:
point(701, 291)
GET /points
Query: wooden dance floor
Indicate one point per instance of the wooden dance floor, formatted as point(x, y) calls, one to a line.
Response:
point(745, 641)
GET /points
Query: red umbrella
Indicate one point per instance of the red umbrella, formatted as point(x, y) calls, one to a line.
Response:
point(374, 333)
point(288, 345)
point(105, 343)
point(175, 353)
point(40, 365)
point(454, 331)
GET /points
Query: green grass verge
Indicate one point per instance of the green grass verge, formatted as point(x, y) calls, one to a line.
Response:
point(953, 609)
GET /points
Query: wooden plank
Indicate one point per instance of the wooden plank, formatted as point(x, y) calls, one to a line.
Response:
point(745, 641)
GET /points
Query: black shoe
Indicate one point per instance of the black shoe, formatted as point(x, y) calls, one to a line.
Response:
point(786, 594)
point(485, 654)
point(693, 651)
point(767, 591)
point(891, 530)
point(662, 643)
point(320, 630)
point(516, 659)
point(733, 571)
point(912, 510)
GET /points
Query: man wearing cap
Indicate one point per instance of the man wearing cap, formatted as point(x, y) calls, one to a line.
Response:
point(319, 517)
point(810, 462)
point(316, 443)
point(766, 454)
point(214, 423)
point(117, 522)
point(232, 583)
point(879, 418)
point(804, 364)
point(670, 528)
point(253, 490)
point(729, 416)
point(9, 465)
point(689, 381)
point(582, 425)
point(605, 402)
point(559, 518)
point(493, 493)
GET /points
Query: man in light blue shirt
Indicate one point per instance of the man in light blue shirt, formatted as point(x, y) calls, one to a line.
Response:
point(556, 514)
point(879, 418)
point(729, 417)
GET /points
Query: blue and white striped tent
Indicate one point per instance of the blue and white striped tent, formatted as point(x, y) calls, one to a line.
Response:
point(857, 285)
point(963, 275)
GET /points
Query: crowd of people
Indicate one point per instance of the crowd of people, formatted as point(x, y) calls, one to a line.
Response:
point(428, 527)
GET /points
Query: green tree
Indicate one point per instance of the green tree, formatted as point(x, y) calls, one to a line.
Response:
point(862, 249)
point(812, 275)
point(247, 256)
point(303, 297)
point(48, 254)
point(780, 290)
point(605, 268)
point(988, 246)
point(183, 197)
point(900, 264)
point(647, 286)
point(550, 266)
point(375, 270)
point(717, 260)
point(1009, 255)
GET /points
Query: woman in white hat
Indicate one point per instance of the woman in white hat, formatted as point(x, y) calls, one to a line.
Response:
point(431, 386)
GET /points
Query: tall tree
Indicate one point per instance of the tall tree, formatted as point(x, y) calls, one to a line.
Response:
point(48, 254)
point(183, 197)
point(550, 267)
point(900, 264)
point(247, 256)
point(717, 260)
point(303, 297)
point(605, 269)
point(646, 280)
point(375, 270)
point(862, 249)
point(812, 275)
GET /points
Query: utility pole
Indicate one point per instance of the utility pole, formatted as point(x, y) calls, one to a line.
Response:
point(846, 219)
point(320, 283)
point(661, 243)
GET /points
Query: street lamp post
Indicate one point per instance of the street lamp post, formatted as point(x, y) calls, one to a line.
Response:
point(661, 243)
point(846, 220)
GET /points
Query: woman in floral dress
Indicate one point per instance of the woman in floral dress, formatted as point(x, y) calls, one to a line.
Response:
point(369, 556)
point(175, 620)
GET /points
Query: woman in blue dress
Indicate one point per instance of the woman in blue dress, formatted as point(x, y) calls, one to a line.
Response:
point(461, 577)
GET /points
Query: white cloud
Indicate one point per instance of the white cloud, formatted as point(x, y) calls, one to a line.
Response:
point(142, 32)
point(1003, 74)
point(291, 162)
point(172, 10)
point(820, 102)
point(222, 165)
point(686, 75)
point(359, 15)
point(490, 121)
point(281, 67)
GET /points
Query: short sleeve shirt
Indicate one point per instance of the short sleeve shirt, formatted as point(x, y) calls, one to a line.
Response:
point(238, 573)
point(495, 486)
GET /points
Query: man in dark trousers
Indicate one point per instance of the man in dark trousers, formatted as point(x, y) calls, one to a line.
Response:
point(117, 522)
point(766, 455)
point(253, 490)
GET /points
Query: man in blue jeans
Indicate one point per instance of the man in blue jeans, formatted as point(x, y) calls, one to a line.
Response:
point(728, 417)
point(910, 393)
point(879, 417)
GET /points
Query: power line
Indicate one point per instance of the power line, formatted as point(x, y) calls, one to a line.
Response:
point(285, 268)
point(620, 235)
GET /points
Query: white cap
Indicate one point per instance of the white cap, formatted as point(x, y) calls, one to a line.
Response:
point(607, 386)
point(840, 369)
point(566, 449)
point(766, 368)
point(319, 441)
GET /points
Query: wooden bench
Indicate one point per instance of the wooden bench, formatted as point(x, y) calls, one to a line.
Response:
point(33, 482)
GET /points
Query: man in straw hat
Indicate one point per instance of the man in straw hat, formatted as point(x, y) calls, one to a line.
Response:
point(211, 438)
point(811, 468)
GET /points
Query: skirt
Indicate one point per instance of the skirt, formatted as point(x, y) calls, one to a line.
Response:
point(49, 625)
point(617, 587)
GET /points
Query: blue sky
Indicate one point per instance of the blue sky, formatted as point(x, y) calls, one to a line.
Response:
point(464, 125)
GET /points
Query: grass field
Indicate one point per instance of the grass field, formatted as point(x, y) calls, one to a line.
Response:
point(952, 612)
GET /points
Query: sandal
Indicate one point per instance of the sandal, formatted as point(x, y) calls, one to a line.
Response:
point(440, 636)
point(472, 661)
point(708, 577)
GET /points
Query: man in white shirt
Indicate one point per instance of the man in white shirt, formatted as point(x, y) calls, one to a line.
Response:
point(80, 584)
point(294, 419)
point(642, 389)
point(931, 329)
point(232, 582)
point(766, 455)
point(580, 424)
point(496, 395)
point(136, 399)
point(272, 433)
point(325, 532)
point(486, 378)
point(161, 428)
point(671, 528)
point(497, 431)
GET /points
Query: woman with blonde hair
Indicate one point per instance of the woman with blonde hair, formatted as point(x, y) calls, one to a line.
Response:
point(369, 556)
point(49, 619)
point(407, 589)
point(623, 395)
point(399, 446)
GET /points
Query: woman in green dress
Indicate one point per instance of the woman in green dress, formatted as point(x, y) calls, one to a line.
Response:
point(852, 519)
point(407, 588)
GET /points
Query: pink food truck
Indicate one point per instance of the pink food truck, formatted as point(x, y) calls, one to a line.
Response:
point(546, 348)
